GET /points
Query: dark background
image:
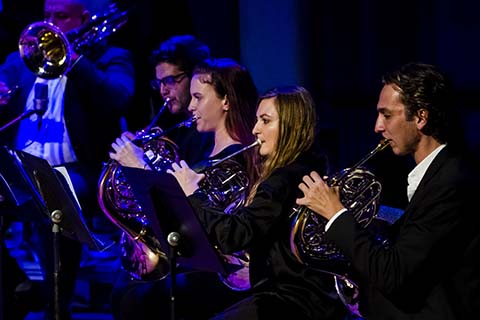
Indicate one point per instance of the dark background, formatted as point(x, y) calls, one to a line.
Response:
point(336, 49)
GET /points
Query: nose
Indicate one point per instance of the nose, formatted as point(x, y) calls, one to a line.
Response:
point(256, 129)
point(164, 90)
point(50, 19)
point(379, 125)
point(191, 106)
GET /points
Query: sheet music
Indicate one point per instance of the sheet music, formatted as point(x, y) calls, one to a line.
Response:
point(389, 214)
point(65, 174)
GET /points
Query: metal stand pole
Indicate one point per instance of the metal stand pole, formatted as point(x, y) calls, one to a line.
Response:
point(2, 302)
point(173, 240)
point(56, 218)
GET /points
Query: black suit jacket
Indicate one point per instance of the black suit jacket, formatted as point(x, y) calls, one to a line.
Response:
point(263, 229)
point(429, 271)
point(99, 90)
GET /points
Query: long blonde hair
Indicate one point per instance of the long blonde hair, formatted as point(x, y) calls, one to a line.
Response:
point(296, 132)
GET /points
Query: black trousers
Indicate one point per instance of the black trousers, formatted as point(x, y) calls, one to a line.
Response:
point(198, 295)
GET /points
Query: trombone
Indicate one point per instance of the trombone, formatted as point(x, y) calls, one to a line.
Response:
point(47, 51)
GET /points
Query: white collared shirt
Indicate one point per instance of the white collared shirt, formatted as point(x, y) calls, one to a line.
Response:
point(414, 178)
point(49, 138)
point(416, 175)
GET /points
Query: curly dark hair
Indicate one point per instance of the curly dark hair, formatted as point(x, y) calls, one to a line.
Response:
point(184, 51)
point(424, 86)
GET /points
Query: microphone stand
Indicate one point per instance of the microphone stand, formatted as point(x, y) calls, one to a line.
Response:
point(24, 115)
point(40, 105)
point(40, 109)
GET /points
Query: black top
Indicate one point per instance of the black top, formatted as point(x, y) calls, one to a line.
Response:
point(430, 270)
point(263, 227)
point(206, 161)
point(193, 146)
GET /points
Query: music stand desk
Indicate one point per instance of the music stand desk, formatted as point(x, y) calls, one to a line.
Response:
point(28, 182)
point(168, 210)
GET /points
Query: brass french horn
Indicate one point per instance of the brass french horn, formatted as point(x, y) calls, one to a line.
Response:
point(142, 255)
point(226, 184)
point(360, 193)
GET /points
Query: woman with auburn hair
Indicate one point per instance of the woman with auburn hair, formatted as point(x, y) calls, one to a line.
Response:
point(223, 100)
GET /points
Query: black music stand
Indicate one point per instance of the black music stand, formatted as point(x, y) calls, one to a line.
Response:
point(174, 223)
point(19, 199)
point(29, 179)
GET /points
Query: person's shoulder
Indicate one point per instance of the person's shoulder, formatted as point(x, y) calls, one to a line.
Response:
point(462, 156)
point(116, 51)
point(13, 57)
point(459, 164)
point(229, 150)
point(112, 48)
point(13, 65)
point(104, 52)
point(304, 164)
point(308, 161)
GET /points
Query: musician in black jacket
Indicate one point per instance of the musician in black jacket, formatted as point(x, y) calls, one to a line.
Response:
point(429, 270)
point(83, 112)
point(281, 286)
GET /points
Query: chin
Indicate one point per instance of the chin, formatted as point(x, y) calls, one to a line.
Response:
point(263, 152)
point(399, 152)
point(200, 128)
point(174, 109)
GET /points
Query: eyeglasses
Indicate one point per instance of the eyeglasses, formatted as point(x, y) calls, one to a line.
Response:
point(167, 81)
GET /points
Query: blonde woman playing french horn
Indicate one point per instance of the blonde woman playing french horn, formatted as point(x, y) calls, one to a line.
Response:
point(223, 99)
point(281, 286)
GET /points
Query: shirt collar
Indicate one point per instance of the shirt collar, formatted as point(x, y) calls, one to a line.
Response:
point(416, 175)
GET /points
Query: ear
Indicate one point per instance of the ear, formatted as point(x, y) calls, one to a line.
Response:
point(226, 104)
point(85, 17)
point(422, 118)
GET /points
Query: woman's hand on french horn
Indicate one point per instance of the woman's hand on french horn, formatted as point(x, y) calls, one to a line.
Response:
point(186, 177)
point(126, 152)
point(318, 196)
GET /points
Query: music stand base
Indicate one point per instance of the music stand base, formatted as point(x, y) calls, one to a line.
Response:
point(173, 240)
point(56, 217)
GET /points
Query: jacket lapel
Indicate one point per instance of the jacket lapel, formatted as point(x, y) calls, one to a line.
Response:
point(434, 167)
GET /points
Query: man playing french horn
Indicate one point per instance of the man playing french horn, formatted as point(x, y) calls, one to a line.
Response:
point(428, 270)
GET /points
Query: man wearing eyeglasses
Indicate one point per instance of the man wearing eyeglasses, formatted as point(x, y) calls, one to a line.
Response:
point(174, 61)
point(167, 83)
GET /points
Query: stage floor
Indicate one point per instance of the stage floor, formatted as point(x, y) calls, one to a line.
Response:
point(95, 279)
